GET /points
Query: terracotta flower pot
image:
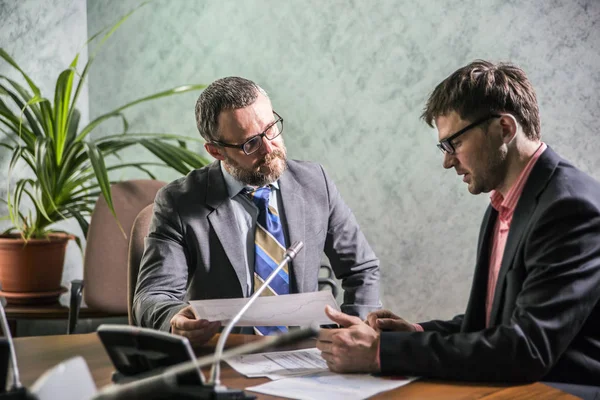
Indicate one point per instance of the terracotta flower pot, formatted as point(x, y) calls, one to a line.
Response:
point(31, 271)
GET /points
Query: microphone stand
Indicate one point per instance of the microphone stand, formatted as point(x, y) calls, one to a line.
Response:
point(215, 371)
point(167, 385)
point(17, 391)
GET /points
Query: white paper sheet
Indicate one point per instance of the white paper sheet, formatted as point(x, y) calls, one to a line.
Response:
point(330, 386)
point(279, 364)
point(301, 309)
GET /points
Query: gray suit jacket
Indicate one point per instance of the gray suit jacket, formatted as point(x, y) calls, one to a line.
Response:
point(194, 249)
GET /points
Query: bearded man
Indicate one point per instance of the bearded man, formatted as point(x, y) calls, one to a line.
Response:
point(219, 231)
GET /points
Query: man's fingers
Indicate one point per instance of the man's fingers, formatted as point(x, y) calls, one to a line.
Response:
point(325, 347)
point(201, 335)
point(325, 335)
point(213, 327)
point(372, 320)
point(340, 318)
point(383, 314)
point(334, 363)
point(386, 323)
point(184, 323)
point(394, 325)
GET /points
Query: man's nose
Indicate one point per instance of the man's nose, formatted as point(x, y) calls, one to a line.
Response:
point(267, 145)
point(448, 161)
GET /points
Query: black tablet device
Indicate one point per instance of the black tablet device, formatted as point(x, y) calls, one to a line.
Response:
point(138, 352)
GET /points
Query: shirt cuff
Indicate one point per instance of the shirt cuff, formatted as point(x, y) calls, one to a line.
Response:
point(418, 327)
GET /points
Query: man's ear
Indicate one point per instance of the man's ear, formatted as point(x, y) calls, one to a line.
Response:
point(509, 126)
point(214, 151)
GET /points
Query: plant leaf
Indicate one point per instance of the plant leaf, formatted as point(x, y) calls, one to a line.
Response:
point(62, 97)
point(22, 100)
point(12, 62)
point(97, 161)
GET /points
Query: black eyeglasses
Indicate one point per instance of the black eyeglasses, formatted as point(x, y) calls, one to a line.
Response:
point(446, 146)
point(255, 142)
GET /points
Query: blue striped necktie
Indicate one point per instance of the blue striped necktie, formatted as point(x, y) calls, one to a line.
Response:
point(269, 245)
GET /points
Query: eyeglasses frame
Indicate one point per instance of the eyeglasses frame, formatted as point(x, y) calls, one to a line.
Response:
point(449, 139)
point(261, 135)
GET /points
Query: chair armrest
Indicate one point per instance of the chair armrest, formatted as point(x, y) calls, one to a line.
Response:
point(75, 304)
point(325, 271)
point(329, 282)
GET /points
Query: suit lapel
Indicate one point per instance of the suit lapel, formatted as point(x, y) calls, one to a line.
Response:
point(536, 182)
point(222, 220)
point(293, 209)
point(475, 314)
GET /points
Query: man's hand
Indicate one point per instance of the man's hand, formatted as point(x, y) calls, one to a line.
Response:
point(351, 349)
point(385, 320)
point(198, 331)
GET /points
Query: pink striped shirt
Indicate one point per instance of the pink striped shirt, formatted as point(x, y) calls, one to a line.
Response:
point(506, 208)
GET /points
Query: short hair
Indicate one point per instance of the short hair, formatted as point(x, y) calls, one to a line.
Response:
point(483, 88)
point(223, 94)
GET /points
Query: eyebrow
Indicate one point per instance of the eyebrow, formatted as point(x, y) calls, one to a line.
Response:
point(470, 126)
point(269, 125)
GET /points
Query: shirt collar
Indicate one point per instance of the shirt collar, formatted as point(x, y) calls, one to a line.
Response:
point(234, 187)
point(509, 203)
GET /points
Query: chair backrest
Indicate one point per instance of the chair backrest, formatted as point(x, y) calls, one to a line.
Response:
point(139, 231)
point(107, 249)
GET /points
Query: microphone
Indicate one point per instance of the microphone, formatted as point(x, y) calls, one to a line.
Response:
point(16, 383)
point(17, 390)
point(167, 384)
point(288, 256)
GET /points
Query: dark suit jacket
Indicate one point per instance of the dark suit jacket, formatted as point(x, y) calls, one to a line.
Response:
point(545, 314)
point(194, 248)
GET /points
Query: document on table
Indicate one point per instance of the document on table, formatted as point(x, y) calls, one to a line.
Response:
point(331, 386)
point(301, 309)
point(279, 364)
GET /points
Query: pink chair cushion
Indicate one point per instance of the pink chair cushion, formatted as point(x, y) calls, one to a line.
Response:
point(107, 249)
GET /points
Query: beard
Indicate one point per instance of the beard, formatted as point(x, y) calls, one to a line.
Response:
point(267, 171)
point(493, 173)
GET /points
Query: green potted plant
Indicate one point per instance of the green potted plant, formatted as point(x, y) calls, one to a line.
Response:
point(68, 170)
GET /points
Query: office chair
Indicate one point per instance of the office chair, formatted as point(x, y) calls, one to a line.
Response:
point(106, 253)
point(326, 278)
point(139, 231)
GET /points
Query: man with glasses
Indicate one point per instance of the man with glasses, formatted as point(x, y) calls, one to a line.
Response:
point(534, 305)
point(219, 231)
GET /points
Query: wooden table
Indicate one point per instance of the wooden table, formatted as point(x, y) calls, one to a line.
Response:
point(37, 354)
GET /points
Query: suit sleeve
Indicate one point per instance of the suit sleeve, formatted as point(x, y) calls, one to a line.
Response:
point(444, 327)
point(162, 278)
point(559, 292)
point(352, 259)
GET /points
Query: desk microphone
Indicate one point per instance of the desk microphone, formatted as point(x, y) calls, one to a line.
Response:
point(167, 384)
point(16, 383)
point(215, 371)
point(17, 390)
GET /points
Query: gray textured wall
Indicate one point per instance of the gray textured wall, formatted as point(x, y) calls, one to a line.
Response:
point(43, 37)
